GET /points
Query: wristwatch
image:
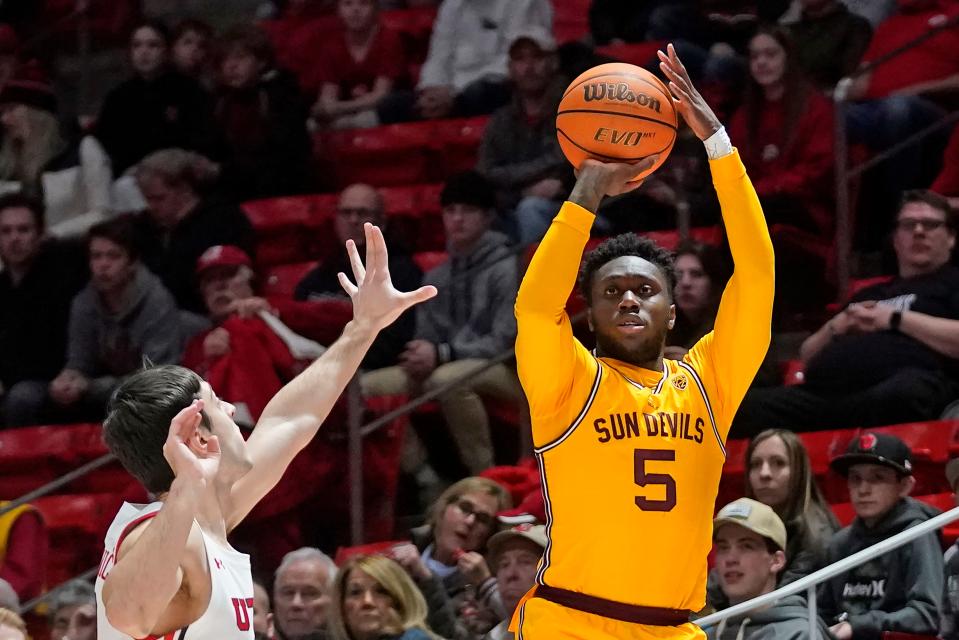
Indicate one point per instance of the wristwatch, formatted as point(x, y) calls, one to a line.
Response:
point(895, 320)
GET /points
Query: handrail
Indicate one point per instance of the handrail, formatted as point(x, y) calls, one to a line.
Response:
point(841, 566)
point(48, 595)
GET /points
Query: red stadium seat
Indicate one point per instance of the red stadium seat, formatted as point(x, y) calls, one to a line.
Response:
point(639, 54)
point(793, 372)
point(570, 20)
point(76, 524)
point(930, 443)
point(822, 447)
point(457, 143)
point(429, 260)
point(281, 280)
point(392, 155)
point(282, 228)
point(899, 635)
point(374, 548)
point(414, 26)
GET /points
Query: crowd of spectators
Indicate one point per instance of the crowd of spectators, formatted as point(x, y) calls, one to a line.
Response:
point(123, 241)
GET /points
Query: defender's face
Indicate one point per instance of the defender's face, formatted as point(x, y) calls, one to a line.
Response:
point(234, 458)
point(631, 310)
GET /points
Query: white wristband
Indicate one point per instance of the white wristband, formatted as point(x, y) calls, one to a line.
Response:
point(718, 144)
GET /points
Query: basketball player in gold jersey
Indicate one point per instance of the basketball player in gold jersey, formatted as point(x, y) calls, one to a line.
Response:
point(631, 445)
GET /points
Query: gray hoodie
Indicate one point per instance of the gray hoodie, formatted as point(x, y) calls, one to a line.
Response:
point(105, 346)
point(472, 315)
point(788, 619)
point(949, 622)
point(898, 591)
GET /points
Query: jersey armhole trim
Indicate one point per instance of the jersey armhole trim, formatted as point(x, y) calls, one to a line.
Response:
point(582, 414)
point(709, 407)
point(130, 527)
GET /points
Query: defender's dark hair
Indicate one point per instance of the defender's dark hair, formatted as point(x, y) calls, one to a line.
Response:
point(138, 421)
point(120, 231)
point(627, 244)
point(21, 201)
point(935, 201)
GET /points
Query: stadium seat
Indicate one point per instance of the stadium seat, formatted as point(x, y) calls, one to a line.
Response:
point(76, 524)
point(822, 447)
point(640, 54)
point(457, 145)
point(374, 548)
point(429, 260)
point(855, 286)
point(930, 443)
point(414, 26)
point(281, 280)
point(282, 228)
point(793, 372)
point(391, 155)
point(570, 20)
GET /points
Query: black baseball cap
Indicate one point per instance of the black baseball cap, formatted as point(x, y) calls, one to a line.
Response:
point(875, 448)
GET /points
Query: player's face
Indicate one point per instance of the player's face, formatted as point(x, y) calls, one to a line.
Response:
point(301, 598)
point(516, 569)
point(367, 606)
point(147, 51)
point(875, 489)
point(631, 310)
point(111, 268)
point(466, 524)
point(358, 205)
point(746, 567)
point(19, 236)
point(357, 15)
point(693, 286)
point(769, 472)
point(76, 622)
point(262, 618)
point(922, 240)
point(767, 61)
point(234, 459)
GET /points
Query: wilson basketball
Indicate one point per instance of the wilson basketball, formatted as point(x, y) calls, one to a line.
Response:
point(616, 112)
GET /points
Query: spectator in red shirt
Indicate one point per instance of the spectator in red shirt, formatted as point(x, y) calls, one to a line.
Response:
point(241, 355)
point(358, 69)
point(785, 135)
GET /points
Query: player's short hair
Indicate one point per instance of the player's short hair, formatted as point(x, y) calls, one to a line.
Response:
point(307, 553)
point(21, 201)
point(138, 421)
point(120, 231)
point(626, 244)
point(934, 200)
point(72, 594)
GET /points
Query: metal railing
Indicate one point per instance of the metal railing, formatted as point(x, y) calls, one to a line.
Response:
point(808, 583)
point(845, 174)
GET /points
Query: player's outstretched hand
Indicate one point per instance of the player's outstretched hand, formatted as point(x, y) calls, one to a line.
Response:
point(687, 100)
point(595, 179)
point(376, 303)
point(186, 463)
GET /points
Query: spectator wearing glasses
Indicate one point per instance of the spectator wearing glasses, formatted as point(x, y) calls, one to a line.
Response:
point(445, 558)
point(359, 204)
point(892, 355)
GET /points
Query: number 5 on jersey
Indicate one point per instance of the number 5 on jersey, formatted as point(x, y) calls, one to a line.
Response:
point(644, 479)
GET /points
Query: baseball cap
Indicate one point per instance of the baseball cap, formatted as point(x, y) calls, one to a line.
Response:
point(535, 533)
point(536, 34)
point(222, 255)
point(755, 516)
point(875, 448)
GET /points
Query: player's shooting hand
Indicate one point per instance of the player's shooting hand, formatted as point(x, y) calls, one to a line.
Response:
point(595, 179)
point(473, 567)
point(376, 303)
point(195, 468)
point(408, 556)
point(687, 100)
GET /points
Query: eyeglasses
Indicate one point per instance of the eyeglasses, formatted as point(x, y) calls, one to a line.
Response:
point(468, 509)
point(925, 224)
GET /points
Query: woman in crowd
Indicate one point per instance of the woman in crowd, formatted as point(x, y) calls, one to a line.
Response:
point(446, 558)
point(779, 475)
point(374, 599)
point(71, 175)
point(701, 274)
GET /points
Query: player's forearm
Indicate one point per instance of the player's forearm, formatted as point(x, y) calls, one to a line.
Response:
point(305, 402)
point(141, 585)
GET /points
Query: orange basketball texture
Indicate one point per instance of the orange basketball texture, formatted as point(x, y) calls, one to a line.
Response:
point(616, 112)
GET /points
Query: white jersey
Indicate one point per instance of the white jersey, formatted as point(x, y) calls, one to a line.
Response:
point(229, 615)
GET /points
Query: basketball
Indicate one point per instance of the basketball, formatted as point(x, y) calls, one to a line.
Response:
point(616, 112)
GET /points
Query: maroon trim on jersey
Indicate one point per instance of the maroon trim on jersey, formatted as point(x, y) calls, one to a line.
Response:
point(582, 414)
point(633, 613)
point(130, 527)
point(709, 407)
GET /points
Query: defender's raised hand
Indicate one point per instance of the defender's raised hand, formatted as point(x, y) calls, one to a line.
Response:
point(687, 100)
point(376, 303)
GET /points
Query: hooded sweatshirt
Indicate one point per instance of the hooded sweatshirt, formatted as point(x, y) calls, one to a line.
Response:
point(949, 622)
point(107, 346)
point(472, 315)
point(898, 591)
point(788, 619)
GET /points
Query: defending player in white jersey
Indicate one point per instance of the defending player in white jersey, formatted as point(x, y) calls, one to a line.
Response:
point(168, 570)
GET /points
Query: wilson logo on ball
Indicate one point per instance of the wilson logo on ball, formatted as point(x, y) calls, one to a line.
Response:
point(625, 138)
point(618, 92)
